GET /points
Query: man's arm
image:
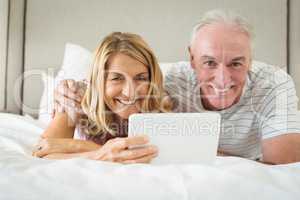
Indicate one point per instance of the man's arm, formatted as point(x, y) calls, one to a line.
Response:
point(280, 121)
point(282, 149)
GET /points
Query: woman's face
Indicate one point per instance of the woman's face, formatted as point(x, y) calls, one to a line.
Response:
point(126, 85)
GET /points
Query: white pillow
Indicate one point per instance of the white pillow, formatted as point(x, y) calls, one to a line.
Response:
point(76, 64)
point(46, 103)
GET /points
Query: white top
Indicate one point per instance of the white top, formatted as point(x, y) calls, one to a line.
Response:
point(267, 107)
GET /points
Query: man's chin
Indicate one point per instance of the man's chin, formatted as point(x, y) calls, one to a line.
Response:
point(223, 107)
point(220, 105)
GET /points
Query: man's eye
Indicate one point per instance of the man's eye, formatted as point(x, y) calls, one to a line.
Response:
point(210, 63)
point(236, 64)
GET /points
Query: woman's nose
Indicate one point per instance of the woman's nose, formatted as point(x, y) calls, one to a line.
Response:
point(128, 90)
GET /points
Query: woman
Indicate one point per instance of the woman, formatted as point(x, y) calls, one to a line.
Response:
point(125, 79)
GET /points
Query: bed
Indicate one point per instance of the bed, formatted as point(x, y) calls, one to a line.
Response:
point(27, 177)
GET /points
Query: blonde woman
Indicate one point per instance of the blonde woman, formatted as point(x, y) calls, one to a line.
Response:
point(125, 79)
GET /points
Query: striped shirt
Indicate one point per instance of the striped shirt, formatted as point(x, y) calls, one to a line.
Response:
point(267, 107)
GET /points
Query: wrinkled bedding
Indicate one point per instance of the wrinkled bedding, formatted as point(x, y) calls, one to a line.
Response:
point(25, 177)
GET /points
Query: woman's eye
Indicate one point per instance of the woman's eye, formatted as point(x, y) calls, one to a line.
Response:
point(142, 78)
point(116, 78)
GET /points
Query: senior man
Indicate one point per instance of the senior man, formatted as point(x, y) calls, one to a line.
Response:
point(257, 102)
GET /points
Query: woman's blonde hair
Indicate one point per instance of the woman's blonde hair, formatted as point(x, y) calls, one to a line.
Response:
point(93, 104)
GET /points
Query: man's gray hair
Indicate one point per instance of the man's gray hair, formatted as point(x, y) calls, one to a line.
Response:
point(220, 16)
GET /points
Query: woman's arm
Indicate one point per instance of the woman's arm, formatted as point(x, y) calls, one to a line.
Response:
point(75, 145)
point(58, 138)
point(60, 127)
point(63, 145)
point(69, 155)
point(116, 150)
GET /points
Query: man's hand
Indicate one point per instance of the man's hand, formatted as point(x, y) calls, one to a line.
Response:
point(68, 96)
point(117, 150)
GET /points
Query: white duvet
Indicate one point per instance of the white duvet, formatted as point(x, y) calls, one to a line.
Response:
point(25, 177)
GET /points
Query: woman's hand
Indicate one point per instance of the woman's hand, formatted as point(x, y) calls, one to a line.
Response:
point(47, 146)
point(117, 150)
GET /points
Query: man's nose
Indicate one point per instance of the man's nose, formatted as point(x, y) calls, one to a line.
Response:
point(128, 90)
point(223, 76)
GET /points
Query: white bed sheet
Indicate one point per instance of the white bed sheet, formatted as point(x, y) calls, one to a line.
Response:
point(25, 177)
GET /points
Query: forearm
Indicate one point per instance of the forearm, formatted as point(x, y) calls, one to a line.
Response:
point(62, 156)
point(48, 146)
point(60, 127)
point(282, 149)
point(77, 146)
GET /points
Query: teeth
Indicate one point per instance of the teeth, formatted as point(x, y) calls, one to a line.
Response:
point(222, 91)
point(127, 102)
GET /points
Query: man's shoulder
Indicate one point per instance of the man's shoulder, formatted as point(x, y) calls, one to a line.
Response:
point(268, 85)
point(266, 75)
point(179, 71)
point(180, 83)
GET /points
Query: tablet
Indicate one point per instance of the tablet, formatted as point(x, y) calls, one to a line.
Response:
point(182, 138)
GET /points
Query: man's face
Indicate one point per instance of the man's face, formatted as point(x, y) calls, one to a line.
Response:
point(221, 57)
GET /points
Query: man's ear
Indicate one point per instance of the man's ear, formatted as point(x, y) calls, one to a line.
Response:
point(250, 63)
point(191, 57)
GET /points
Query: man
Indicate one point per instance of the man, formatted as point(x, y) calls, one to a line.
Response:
point(257, 102)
